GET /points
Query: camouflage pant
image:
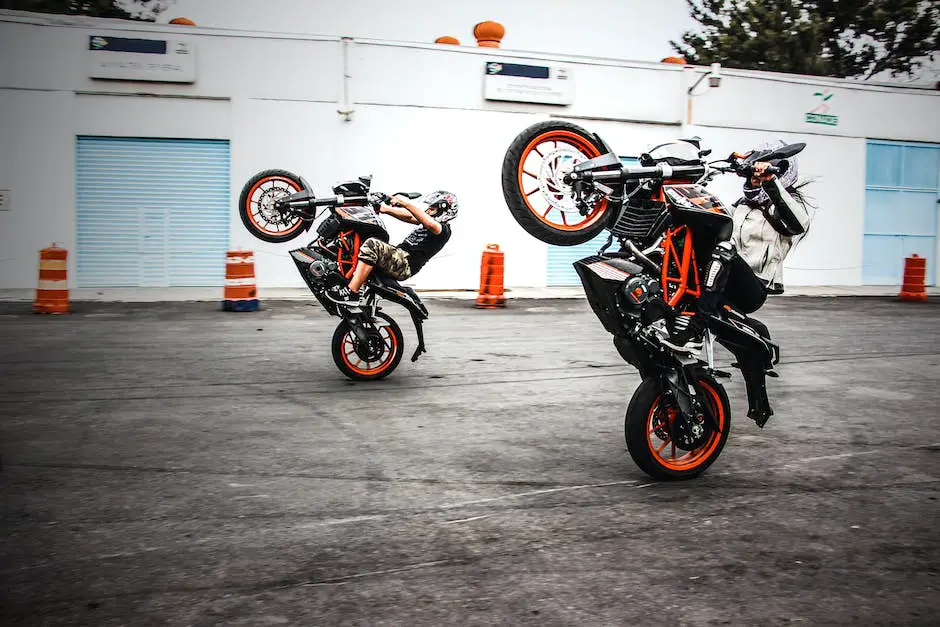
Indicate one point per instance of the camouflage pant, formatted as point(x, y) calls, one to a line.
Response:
point(390, 260)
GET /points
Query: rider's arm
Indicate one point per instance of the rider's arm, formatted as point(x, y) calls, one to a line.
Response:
point(785, 214)
point(421, 216)
point(401, 214)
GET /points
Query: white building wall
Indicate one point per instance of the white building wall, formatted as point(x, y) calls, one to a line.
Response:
point(420, 123)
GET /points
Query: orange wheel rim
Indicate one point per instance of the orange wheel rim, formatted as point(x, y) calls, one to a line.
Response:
point(369, 368)
point(261, 196)
point(665, 450)
point(544, 162)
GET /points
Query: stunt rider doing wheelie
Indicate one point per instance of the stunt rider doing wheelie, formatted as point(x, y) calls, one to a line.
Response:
point(678, 244)
point(405, 260)
point(768, 221)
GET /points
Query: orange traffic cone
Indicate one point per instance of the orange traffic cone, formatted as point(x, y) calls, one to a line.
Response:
point(491, 279)
point(52, 293)
point(915, 276)
point(241, 292)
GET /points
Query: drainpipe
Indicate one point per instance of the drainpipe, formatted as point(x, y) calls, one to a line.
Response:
point(346, 109)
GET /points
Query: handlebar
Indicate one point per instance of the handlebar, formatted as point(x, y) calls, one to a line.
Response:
point(305, 203)
point(624, 174)
point(303, 200)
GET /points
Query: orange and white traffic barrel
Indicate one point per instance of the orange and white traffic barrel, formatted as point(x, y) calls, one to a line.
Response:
point(241, 291)
point(52, 293)
point(491, 295)
point(915, 276)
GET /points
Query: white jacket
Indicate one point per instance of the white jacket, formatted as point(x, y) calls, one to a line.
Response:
point(764, 234)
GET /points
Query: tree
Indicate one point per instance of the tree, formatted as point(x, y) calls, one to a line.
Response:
point(144, 10)
point(843, 38)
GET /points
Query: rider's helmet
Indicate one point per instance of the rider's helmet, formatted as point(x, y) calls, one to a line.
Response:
point(442, 206)
point(789, 172)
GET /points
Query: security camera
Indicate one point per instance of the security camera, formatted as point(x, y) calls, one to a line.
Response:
point(714, 78)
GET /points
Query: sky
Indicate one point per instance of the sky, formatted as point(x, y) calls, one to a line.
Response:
point(624, 29)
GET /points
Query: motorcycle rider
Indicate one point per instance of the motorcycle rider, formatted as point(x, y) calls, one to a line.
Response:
point(767, 222)
point(748, 266)
point(405, 260)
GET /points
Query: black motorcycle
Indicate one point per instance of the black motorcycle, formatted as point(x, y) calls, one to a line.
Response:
point(277, 206)
point(565, 186)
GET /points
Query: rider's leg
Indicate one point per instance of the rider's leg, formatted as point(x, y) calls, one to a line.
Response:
point(373, 254)
point(369, 255)
point(360, 274)
point(745, 291)
point(717, 276)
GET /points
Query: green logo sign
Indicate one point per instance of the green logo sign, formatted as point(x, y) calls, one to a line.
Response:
point(820, 115)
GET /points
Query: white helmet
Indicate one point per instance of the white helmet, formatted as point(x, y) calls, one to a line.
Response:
point(442, 206)
point(790, 169)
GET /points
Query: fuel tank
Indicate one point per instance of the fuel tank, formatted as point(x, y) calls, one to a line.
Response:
point(700, 210)
point(363, 220)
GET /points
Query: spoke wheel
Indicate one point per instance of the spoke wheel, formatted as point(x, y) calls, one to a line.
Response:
point(533, 183)
point(650, 427)
point(374, 360)
point(256, 206)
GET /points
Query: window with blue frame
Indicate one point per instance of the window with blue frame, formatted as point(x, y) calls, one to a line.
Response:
point(902, 189)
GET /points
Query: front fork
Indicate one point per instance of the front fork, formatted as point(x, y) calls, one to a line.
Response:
point(684, 388)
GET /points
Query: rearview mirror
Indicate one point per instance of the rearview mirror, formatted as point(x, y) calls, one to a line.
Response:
point(784, 152)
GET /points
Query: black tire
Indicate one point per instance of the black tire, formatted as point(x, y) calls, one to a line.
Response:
point(514, 180)
point(288, 179)
point(339, 347)
point(640, 440)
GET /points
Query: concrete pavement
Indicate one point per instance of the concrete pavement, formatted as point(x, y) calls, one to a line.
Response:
point(172, 464)
point(208, 294)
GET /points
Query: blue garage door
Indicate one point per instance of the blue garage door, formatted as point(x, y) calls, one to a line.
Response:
point(902, 187)
point(151, 212)
point(560, 258)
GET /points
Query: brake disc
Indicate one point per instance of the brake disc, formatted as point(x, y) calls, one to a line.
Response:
point(373, 348)
point(555, 166)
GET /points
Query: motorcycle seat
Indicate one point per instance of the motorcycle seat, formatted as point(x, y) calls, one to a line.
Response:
point(393, 284)
point(388, 281)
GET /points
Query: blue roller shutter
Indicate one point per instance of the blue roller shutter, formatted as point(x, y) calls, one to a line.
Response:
point(902, 187)
point(560, 271)
point(560, 258)
point(151, 212)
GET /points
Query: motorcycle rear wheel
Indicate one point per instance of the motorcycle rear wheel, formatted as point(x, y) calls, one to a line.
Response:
point(255, 206)
point(535, 193)
point(648, 440)
point(351, 364)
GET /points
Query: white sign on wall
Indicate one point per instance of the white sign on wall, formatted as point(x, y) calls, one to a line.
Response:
point(4, 200)
point(514, 82)
point(160, 60)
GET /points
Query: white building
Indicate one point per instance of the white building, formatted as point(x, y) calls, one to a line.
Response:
point(139, 178)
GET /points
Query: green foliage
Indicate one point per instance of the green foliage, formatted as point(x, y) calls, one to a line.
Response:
point(843, 38)
point(145, 10)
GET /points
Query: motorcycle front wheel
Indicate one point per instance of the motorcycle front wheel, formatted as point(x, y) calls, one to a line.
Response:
point(256, 206)
point(536, 194)
point(648, 434)
point(368, 363)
